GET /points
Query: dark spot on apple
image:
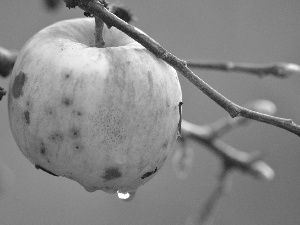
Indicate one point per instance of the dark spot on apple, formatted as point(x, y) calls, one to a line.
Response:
point(67, 76)
point(148, 174)
point(67, 101)
point(47, 171)
point(168, 103)
point(56, 136)
point(27, 117)
point(78, 147)
point(112, 173)
point(43, 149)
point(77, 113)
point(165, 144)
point(74, 132)
point(17, 88)
point(49, 111)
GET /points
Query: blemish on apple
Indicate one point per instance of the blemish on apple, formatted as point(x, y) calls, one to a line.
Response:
point(28, 103)
point(56, 136)
point(148, 174)
point(67, 76)
point(165, 144)
point(168, 103)
point(74, 132)
point(67, 101)
point(112, 173)
point(78, 147)
point(27, 117)
point(17, 88)
point(49, 111)
point(43, 149)
point(47, 171)
point(77, 112)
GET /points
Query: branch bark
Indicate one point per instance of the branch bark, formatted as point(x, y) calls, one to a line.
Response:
point(234, 110)
point(278, 70)
point(231, 159)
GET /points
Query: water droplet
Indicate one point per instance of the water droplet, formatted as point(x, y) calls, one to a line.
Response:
point(123, 196)
point(128, 196)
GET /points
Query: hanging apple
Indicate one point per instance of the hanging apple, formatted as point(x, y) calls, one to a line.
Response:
point(104, 117)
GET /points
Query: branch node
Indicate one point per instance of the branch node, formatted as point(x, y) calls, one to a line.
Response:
point(164, 55)
point(103, 3)
point(71, 3)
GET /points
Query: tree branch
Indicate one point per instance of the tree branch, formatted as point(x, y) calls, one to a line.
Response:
point(242, 161)
point(7, 61)
point(278, 70)
point(223, 187)
point(234, 110)
point(231, 158)
point(226, 124)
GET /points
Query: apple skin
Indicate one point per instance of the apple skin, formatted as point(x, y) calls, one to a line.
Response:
point(104, 117)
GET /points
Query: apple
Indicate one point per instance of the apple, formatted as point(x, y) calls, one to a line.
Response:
point(104, 117)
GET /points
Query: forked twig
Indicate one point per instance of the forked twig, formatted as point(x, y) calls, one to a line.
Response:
point(232, 159)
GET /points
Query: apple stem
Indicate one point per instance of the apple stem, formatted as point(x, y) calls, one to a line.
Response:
point(99, 42)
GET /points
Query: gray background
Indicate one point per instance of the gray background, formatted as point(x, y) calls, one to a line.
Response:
point(258, 31)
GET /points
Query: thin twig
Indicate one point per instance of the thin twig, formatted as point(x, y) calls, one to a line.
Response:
point(241, 161)
point(279, 70)
point(227, 124)
point(7, 61)
point(232, 159)
point(205, 215)
point(232, 108)
point(208, 135)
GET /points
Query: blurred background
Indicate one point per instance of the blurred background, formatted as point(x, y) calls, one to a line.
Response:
point(257, 31)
